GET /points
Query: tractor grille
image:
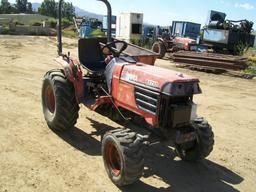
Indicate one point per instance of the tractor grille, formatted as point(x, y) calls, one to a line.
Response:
point(174, 111)
point(146, 99)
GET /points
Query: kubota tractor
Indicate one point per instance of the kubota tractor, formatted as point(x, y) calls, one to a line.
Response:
point(105, 79)
point(167, 44)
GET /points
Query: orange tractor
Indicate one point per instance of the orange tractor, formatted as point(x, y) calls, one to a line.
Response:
point(107, 80)
point(168, 44)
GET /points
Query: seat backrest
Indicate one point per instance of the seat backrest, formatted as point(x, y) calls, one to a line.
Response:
point(90, 54)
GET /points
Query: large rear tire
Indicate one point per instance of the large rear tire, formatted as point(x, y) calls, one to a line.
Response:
point(59, 103)
point(158, 47)
point(202, 146)
point(122, 152)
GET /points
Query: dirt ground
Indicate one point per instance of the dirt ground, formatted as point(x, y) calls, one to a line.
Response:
point(33, 158)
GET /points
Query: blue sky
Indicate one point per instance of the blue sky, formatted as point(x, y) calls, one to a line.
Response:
point(163, 12)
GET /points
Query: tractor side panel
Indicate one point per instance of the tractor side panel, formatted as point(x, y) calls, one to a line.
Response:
point(124, 96)
point(123, 93)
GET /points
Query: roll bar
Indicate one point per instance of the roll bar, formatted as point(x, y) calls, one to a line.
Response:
point(109, 19)
point(59, 30)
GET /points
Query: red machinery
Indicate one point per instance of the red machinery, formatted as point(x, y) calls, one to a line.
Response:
point(108, 81)
point(169, 44)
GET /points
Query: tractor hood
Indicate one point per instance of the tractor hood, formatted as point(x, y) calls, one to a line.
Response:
point(162, 80)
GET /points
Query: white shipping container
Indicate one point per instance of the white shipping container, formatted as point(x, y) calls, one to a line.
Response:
point(129, 26)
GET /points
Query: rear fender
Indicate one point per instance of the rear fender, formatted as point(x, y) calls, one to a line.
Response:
point(74, 74)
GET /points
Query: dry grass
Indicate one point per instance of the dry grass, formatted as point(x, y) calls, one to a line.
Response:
point(251, 55)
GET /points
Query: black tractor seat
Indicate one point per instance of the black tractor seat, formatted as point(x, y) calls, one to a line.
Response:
point(97, 73)
point(91, 56)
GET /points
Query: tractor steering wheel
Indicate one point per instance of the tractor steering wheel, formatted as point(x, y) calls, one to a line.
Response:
point(115, 51)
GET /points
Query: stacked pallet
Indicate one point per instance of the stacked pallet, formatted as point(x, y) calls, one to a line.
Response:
point(211, 60)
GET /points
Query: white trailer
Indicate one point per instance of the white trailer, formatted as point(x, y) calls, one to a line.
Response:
point(129, 26)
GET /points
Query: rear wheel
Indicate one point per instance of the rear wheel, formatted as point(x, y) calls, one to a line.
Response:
point(59, 103)
point(199, 148)
point(158, 47)
point(123, 156)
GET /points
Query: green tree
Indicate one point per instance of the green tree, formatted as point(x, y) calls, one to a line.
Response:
point(48, 8)
point(21, 6)
point(29, 7)
point(68, 10)
point(98, 33)
point(5, 7)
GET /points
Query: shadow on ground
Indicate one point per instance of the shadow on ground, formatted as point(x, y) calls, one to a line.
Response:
point(178, 176)
point(83, 141)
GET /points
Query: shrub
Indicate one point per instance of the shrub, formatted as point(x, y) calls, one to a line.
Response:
point(36, 24)
point(5, 30)
point(66, 23)
point(18, 23)
point(143, 42)
point(251, 68)
point(251, 55)
point(53, 23)
point(98, 33)
point(147, 43)
point(70, 33)
point(136, 41)
point(240, 48)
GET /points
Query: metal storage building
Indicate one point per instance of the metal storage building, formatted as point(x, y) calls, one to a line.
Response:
point(129, 26)
point(186, 29)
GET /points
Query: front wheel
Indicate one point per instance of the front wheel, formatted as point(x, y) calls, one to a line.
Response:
point(201, 147)
point(122, 152)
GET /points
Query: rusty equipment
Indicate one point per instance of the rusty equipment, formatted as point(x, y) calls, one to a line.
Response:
point(210, 60)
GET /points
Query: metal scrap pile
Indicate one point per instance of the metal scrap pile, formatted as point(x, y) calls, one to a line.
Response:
point(212, 60)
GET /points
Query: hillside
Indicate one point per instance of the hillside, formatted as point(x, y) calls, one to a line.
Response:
point(79, 12)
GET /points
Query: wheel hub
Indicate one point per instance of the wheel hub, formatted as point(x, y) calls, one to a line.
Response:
point(50, 99)
point(113, 159)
